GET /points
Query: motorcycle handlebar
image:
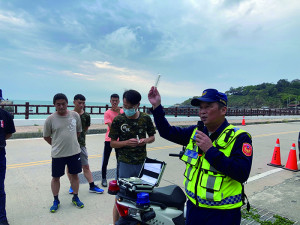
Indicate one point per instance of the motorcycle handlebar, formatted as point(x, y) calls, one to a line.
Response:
point(179, 155)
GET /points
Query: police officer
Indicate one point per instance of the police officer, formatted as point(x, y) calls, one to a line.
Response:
point(7, 128)
point(218, 159)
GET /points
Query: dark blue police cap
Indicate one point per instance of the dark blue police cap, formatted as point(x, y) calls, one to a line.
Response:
point(210, 95)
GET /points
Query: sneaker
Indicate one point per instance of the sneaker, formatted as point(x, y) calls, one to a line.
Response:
point(77, 202)
point(104, 182)
point(55, 206)
point(70, 190)
point(96, 189)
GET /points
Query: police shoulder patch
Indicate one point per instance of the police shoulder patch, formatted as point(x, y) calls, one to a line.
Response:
point(247, 149)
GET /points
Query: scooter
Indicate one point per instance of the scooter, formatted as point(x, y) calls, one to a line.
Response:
point(142, 204)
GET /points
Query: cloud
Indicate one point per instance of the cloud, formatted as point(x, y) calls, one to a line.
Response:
point(143, 80)
point(261, 11)
point(79, 75)
point(121, 78)
point(218, 23)
point(10, 19)
point(109, 66)
point(124, 40)
point(116, 45)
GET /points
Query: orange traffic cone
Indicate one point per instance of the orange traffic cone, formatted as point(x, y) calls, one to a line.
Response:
point(276, 159)
point(243, 122)
point(291, 163)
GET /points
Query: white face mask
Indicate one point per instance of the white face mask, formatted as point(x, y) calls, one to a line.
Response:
point(129, 112)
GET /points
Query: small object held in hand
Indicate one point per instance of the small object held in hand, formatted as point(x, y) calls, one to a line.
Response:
point(157, 80)
point(137, 137)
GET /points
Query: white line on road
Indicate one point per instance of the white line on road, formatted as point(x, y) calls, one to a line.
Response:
point(37, 138)
point(261, 175)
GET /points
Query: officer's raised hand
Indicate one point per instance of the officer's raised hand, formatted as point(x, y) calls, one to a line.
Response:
point(154, 97)
point(203, 141)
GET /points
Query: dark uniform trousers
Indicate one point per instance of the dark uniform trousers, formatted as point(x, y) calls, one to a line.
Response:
point(2, 178)
point(205, 216)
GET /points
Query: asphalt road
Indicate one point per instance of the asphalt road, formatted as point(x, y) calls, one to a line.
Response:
point(28, 178)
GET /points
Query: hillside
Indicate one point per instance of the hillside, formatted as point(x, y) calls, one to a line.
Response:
point(278, 95)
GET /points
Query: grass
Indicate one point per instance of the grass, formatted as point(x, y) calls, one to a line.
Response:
point(254, 215)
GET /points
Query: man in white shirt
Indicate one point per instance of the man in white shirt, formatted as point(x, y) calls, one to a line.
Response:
point(61, 131)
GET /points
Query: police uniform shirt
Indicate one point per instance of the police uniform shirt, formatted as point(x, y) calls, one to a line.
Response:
point(6, 126)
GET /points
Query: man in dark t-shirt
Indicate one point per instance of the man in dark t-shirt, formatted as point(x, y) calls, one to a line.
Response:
point(79, 105)
point(125, 129)
point(128, 136)
point(7, 128)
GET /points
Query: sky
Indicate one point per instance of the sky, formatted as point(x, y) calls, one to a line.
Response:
point(101, 47)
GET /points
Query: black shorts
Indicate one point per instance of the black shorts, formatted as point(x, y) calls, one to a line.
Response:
point(59, 164)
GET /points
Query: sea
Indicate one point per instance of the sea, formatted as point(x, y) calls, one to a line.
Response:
point(101, 116)
point(52, 109)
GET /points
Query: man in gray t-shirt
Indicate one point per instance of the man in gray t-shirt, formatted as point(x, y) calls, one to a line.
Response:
point(61, 131)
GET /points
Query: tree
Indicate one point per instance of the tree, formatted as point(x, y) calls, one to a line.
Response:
point(265, 94)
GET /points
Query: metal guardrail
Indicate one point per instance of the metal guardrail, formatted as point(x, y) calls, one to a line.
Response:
point(27, 110)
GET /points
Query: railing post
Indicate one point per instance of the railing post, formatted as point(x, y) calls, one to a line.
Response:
point(176, 111)
point(27, 110)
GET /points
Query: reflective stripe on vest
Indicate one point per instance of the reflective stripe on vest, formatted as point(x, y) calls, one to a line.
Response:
point(229, 200)
point(214, 189)
point(191, 151)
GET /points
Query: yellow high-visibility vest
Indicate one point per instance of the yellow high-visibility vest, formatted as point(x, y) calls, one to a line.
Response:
point(204, 185)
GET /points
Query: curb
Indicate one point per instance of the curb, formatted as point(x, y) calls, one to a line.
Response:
point(254, 123)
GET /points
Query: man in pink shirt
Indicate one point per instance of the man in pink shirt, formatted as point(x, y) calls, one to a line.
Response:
point(109, 116)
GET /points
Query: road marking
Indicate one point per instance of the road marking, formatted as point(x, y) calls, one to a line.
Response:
point(271, 134)
point(261, 175)
point(45, 162)
point(250, 179)
point(24, 139)
point(256, 136)
point(267, 173)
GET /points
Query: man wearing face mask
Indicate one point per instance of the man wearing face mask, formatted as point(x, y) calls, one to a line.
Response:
point(128, 136)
